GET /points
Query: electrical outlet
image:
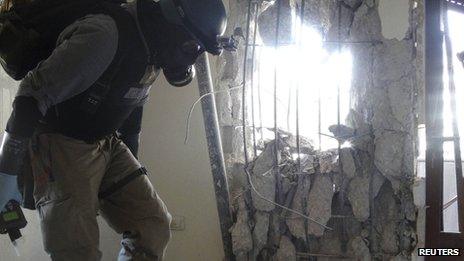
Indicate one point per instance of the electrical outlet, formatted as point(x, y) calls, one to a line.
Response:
point(178, 223)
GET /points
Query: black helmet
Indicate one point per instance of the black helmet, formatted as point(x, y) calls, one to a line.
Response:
point(206, 20)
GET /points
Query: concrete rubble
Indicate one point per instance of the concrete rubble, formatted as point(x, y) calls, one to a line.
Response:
point(320, 204)
point(267, 23)
point(347, 162)
point(358, 195)
point(260, 231)
point(328, 162)
point(359, 249)
point(357, 224)
point(241, 234)
point(286, 251)
point(263, 178)
point(295, 223)
point(366, 192)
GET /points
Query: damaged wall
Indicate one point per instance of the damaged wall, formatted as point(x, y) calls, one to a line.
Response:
point(365, 194)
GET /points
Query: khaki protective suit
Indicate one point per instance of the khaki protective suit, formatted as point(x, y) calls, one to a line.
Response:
point(74, 182)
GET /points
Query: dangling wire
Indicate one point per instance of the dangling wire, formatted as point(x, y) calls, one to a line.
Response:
point(192, 108)
point(282, 206)
point(195, 103)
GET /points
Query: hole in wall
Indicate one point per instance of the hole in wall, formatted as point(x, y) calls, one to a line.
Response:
point(304, 68)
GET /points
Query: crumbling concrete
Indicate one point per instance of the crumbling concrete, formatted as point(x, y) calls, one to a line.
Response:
point(241, 234)
point(366, 23)
point(295, 223)
point(385, 222)
point(347, 162)
point(388, 146)
point(286, 251)
point(328, 162)
point(330, 245)
point(358, 194)
point(354, 4)
point(260, 231)
point(263, 178)
point(320, 13)
point(319, 203)
point(359, 249)
point(365, 193)
point(267, 23)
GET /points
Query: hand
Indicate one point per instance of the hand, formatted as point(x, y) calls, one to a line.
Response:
point(8, 189)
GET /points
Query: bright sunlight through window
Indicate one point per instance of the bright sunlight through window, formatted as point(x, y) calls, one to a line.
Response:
point(307, 68)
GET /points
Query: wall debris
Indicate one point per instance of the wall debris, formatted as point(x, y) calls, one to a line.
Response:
point(365, 194)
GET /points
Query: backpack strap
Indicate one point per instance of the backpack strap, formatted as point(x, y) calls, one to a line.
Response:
point(101, 88)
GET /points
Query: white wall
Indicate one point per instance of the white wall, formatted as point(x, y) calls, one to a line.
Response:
point(181, 173)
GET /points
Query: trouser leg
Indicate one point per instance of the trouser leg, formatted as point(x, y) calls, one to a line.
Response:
point(67, 176)
point(135, 210)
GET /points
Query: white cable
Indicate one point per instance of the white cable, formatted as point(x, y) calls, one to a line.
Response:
point(187, 128)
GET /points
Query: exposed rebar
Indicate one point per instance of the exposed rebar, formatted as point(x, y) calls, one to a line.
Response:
point(244, 82)
point(252, 83)
point(276, 133)
point(297, 112)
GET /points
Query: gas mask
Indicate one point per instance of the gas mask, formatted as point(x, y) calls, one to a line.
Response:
point(178, 31)
point(179, 69)
point(178, 61)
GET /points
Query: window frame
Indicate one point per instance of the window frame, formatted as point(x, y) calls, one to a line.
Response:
point(434, 68)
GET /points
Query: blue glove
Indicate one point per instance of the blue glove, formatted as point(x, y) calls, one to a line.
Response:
point(8, 189)
point(12, 153)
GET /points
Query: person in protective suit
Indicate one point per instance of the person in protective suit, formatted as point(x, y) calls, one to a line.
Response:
point(77, 115)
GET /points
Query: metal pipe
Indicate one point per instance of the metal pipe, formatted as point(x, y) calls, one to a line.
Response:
point(216, 157)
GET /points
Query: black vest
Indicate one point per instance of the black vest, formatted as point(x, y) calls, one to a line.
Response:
point(125, 89)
